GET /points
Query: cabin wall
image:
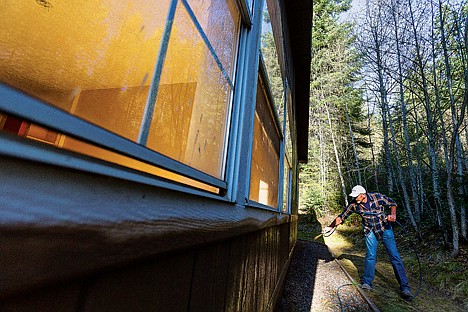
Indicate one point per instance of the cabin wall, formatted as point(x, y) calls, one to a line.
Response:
point(245, 273)
point(58, 255)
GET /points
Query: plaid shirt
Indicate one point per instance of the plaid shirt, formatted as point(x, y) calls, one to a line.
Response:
point(371, 222)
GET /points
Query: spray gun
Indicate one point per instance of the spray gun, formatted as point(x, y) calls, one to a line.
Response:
point(327, 232)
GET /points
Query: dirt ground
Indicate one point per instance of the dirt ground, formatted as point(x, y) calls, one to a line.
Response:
point(314, 281)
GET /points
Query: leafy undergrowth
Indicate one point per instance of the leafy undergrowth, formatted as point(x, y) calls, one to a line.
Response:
point(444, 280)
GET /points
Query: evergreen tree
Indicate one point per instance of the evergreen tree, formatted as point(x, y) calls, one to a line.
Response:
point(337, 142)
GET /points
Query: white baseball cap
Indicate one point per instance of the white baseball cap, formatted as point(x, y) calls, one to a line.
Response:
point(358, 189)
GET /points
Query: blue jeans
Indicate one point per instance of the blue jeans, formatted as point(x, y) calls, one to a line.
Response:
point(371, 257)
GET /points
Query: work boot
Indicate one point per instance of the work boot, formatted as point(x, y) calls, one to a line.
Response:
point(366, 286)
point(406, 294)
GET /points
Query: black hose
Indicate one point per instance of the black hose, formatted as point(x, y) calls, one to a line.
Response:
point(328, 234)
point(339, 297)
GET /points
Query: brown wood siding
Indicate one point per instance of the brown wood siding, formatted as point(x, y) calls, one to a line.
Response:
point(239, 274)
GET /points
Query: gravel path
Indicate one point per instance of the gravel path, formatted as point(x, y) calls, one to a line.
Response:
point(312, 282)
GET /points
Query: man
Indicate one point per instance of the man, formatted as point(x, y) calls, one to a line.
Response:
point(370, 206)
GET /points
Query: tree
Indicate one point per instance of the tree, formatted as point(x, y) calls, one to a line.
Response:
point(336, 107)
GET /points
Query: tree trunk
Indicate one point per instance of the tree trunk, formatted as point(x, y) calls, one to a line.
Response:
point(409, 154)
point(458, 156)
point(430, 122)
point(438, 209)
point(351, 133)
point(374, 167)
point(463, 50)
point(383, 99)
point(401, 177)
point(337, 157)
point(322, 160)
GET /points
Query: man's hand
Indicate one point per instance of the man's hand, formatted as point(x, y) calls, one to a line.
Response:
point(391, 218)
point(327, 230)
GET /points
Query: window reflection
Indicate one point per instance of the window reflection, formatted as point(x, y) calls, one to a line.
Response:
point(220, 21)
point(286, 185)
point(96, 60)
point(271, 46)
point(264, 176)
point(93, 59)
point(192, 107)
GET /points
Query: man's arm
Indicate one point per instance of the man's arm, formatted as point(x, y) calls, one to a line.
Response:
point(392, 216)
point(393, 206)
point(334, 224)
point(338, 220)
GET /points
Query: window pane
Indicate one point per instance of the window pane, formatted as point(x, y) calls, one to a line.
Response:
point(220, 21)
point(286, 186)
point(192, 107)
point(271, 44)
point(287, 130)
point(32, 131)
point(94, 58)
point(250, 4)
point(264, 174)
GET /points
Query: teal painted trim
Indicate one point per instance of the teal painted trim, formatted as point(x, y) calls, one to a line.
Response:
point(253, 46)
point(233, 151)
point(13, 146)
point(153, 94)
point(207, 42)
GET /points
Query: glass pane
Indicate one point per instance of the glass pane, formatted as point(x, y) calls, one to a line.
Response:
point(192, 108)
point(32, 131)
point(286, 190)
point(220, 21)
point(287, 130)
point(271, 34)
point(250, 4)
point(264, 176)
point(94, 58)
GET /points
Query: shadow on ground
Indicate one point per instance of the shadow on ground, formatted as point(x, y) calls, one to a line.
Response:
point(299, 288)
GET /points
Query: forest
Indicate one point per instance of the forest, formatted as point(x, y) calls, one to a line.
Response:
point(387, 106)
point(389, 90)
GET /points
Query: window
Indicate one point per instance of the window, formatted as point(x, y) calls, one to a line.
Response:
point(271, 47)
point(271, 167)
point(250, 4)
point(157, 74)
point(287, 148)
point(287, 176)
point(265, 166)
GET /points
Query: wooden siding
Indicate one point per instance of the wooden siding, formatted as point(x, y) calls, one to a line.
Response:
point(74, 241)
point(244, 273)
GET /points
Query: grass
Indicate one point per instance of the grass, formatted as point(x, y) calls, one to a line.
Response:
point(445, 280)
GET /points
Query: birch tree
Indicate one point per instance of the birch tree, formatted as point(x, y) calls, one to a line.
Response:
point(427, 105)
point(457, 153)
point(395, 5)
point(375, 57)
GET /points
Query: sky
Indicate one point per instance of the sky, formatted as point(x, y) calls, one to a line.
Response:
point(356, 7)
